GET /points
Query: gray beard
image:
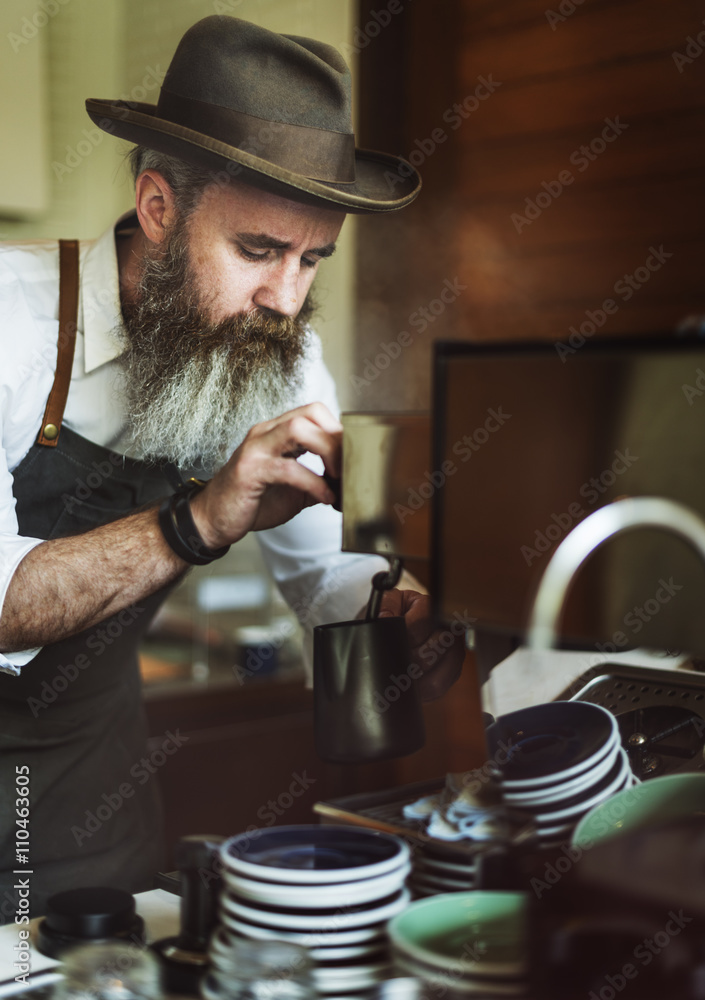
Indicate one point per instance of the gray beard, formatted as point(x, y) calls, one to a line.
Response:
point(194, 388)
point(189, 422)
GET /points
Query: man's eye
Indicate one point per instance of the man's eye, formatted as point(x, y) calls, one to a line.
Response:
point(251, 255)
point(310, 261)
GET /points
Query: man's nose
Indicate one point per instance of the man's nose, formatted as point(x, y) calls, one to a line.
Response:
point(279, 292)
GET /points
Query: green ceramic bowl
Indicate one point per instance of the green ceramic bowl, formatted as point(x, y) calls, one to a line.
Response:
point(481, 933)
point(657, 800)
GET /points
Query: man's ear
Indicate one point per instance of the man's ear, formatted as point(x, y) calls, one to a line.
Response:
point(154, 200)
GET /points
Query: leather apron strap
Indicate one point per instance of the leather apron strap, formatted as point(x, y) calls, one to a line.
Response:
point(68, 322)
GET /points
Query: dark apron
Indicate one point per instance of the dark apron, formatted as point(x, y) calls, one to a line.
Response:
point(75, 715)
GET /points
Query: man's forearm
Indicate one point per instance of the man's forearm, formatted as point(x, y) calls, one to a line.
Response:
point(68, 584)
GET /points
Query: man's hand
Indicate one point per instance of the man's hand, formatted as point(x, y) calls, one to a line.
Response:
point(439, 653)
point(262, 484)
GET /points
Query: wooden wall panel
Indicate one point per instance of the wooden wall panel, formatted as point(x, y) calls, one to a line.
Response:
point(586, 215)
point(499, 15)
point(608, 60)
point(668, 146)
point(560, 275)
point(554, 323)
point(636, 87)
point(585, 40)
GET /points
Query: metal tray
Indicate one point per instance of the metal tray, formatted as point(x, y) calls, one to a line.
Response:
point(645, 699)
point(619, 687)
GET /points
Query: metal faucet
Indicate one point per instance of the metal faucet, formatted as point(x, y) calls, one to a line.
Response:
point(599, 527)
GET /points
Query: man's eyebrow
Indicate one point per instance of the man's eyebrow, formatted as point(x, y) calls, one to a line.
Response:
point(263, 241)
point(327, 251)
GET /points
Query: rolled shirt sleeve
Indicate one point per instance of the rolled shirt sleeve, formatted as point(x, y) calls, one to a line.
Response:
point(29, 354)
point(13, 549)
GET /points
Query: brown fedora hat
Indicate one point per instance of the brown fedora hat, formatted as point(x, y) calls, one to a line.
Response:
point(272, 110)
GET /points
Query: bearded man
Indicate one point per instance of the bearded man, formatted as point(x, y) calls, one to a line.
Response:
point(183, 347)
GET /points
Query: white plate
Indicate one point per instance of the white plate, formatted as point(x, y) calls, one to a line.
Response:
point(427, 881)
point(314, 922)
point(566, 789)
point(528, 784)
point(206, 992)
point(222, 943)
point(335, 980)
point(512, 972)
point(379, 949)
point(582, 807)
point(325, 980)
point(552, 832)
point(449, 868)
point(286, 854)
point(317, 939)
point(465, 985)
point(318, 897)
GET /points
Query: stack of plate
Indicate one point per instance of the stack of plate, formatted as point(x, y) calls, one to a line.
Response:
point(467, 944)
point(331, 889)
point(558, 761)
point(437, 871)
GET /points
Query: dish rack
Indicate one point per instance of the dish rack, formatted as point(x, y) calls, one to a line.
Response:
point(494, 866)
point(661, 714)
point(647, 702)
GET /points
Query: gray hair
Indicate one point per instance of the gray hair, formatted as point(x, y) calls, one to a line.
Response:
point(187, 181)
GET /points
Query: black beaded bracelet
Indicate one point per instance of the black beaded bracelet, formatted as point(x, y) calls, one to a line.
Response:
point(179, 528)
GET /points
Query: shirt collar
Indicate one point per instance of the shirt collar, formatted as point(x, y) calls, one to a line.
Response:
point(100, 300)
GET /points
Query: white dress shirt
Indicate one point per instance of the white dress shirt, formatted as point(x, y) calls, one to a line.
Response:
point(318, 581)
